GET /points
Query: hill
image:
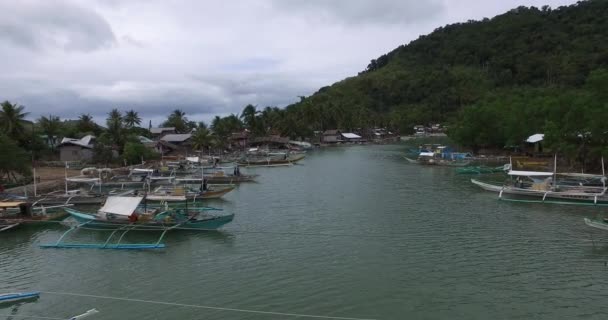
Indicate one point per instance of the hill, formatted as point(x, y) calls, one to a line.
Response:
point(529, 65)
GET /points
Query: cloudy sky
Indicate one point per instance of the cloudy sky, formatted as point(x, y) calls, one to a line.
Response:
point(205, 57)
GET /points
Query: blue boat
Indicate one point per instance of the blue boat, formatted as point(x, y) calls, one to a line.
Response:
point(14, 297)
point(124, 214)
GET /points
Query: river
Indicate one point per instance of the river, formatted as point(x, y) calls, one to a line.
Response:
point(351, 232)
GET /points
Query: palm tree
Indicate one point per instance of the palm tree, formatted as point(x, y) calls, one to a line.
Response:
point(114, 123)
point(249, 117)
point(11, 120)
point(132, 119)
point(86, 124)
point(201, 139)
point(51, 127)
point(178, 120)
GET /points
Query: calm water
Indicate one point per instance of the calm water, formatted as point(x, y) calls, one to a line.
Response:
point(351, 232)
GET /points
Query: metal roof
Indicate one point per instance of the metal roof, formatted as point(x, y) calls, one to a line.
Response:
point(535, 138)
point(176, 137)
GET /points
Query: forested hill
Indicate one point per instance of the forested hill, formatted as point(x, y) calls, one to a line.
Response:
point(436, 77)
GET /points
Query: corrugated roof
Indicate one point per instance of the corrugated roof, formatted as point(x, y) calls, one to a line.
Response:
point(85, 142)
point(331, 132)
point(176, 137)
point(535, 138)
point(349, 135)
point(161, 130)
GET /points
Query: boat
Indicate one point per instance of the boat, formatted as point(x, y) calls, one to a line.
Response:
point(482, 169)
point(14, 213)
point(540, 186)
point(124, 214)
point(7, 225)
point(166, 193)
point(258, 158)
point(597, 223)
point(15, 297)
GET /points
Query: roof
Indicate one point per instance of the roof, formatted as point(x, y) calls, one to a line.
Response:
point(85, 142)
point(176, 137)
point(161, 130)
point(124, 206)
point(349, 135)
point(535, 138)
point(143, 139)
point(331, 132)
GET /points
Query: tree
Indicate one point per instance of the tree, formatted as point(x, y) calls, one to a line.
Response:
point(135, 152)
point(12, 118)
point(132, 119)
point(51, 127)
point(102, 151)
point(115, 128)
point(14, 161)
point(178, 120)
point(86, 125)
point(201, 139)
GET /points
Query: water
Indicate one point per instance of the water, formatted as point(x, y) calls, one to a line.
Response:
point(351, 232)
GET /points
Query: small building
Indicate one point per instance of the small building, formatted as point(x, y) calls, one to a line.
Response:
point(351, 137)
point(239, 139)
point(179, 143)
point(331, 136)
point(76, 149)
point(535, 143)
point(159, 132)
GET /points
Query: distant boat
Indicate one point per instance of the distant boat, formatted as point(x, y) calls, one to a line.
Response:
point(14, 297)
point(271, 160)
point(481, 169)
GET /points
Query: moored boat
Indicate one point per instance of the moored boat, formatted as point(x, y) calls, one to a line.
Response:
point(15, 297)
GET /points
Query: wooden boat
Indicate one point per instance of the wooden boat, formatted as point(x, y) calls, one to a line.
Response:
point(480, 170)
point(20, 212)
point(7, 225)
point(124, 214)
point(597, 223)
point(15, 297)
point(545, 192)
point(270, 161)
point(166, 193)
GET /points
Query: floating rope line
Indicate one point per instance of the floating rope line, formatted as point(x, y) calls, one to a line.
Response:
point(203, 307)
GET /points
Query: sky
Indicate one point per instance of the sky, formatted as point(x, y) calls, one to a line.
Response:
point(207, 58)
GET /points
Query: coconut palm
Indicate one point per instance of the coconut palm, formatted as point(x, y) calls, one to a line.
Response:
point(178, 120)
point(11, 120)
point(51, 127)
point(132, 119)
point(86, 124)
point(201, 139)
point(115, 122)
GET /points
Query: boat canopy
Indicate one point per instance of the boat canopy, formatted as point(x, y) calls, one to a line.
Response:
point(139, 170)
point(530, 173)
point(192, 159)
point(6, 205)
point(123, 206)
point(427, 154)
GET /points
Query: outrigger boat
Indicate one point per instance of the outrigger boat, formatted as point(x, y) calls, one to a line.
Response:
point(15, 213)
point(15, 297)
point(551, 187)
point(597, 223)
point(168, 193)
point(124, 214)
point(482, 169)
point(257, 158)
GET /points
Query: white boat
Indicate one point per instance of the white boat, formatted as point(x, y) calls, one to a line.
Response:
point(599, 224)
point(14, 297)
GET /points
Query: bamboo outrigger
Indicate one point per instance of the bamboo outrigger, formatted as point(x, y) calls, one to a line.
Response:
point(123, 214)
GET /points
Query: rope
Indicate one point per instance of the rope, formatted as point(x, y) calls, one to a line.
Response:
point(204, 307)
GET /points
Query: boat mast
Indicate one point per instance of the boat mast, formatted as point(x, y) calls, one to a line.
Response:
point(554, 171)
point(66, 177)
point(35, 193)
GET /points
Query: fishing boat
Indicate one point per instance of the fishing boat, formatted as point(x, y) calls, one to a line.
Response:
point(258, 158)
point(597, 223)
point(124, 214)
point(540, 187)
point(482, 169)
point(16, 213)
point(15, 297)
point(165, 193)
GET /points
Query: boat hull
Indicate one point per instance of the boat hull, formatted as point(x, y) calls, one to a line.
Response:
point(573, 197)
point(596, 224)
point(206, 224)
point(14, 297)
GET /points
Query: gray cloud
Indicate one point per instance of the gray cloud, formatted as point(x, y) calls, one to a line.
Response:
point(365, 11)
point(207, 58)
point(53, 24)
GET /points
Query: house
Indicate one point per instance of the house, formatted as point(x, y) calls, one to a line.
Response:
point(239, 139)
point(159, 132)
point(76, 149)
point(351, 137)
point(331, 136)
point(180, 143)
point(535, 143)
